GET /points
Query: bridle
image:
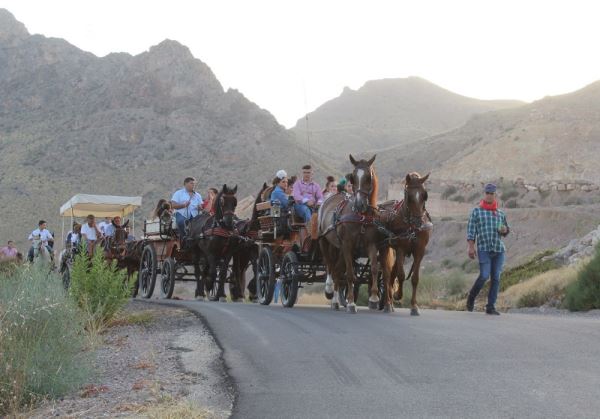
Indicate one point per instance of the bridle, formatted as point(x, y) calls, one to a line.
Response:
point(367, 194)
point(224, 213)
point(410, 219)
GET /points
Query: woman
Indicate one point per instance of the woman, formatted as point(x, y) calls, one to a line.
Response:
point(279, 191)
point(161, 206)
point(330, 188)
point(208, 205)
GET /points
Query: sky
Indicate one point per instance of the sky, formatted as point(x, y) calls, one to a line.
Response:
point(289, 57)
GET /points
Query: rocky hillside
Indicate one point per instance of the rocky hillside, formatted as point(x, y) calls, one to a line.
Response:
point(71, 122)
point(387, 113)
point(553, 139)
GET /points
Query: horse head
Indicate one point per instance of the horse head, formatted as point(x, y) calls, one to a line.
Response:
point(415, 197)
point(225, 204)
point(364, 184)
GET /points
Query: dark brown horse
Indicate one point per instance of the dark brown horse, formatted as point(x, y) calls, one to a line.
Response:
point(213, 237)
point(410, 229)
point(346, 229)
point(247, 251)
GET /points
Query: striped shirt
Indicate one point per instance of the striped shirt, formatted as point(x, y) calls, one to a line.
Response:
point(483, 227)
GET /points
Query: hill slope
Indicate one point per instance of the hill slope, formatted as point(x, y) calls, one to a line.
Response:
point(71, 122)
point(387, 113)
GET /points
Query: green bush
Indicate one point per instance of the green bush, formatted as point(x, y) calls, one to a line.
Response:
point(99, 288)
point(584, 293)
point(457, 284)
point(41, 339)
point(511, 203)
point(509, 193)
point(534, 266)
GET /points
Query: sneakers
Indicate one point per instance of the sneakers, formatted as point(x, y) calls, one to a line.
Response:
point(492, 311)
point(470, 303)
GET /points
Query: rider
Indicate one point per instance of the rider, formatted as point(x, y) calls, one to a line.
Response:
point(307, 194)
point(103, 225)
point(9, 251)
point(91, 233)
point(44, 235)
point(187, 203)
point(74, 236)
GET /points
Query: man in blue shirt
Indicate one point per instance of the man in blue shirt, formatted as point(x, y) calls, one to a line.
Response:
point(487, 225)
point(187, 204)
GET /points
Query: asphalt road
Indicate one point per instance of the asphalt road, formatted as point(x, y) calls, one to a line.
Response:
point(312, 362)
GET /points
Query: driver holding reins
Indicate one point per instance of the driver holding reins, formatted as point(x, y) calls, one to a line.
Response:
point(187, 204)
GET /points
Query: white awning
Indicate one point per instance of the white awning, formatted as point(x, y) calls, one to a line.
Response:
point(100, 205)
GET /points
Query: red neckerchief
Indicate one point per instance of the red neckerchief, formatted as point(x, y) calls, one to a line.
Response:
point(490, 207)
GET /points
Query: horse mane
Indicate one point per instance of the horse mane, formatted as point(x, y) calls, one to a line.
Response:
point(256, 201)
point(375, 189)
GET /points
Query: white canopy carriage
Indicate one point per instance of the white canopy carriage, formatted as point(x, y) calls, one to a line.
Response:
point(81, 205)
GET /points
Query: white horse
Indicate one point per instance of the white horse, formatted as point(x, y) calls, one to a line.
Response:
point(41, 254)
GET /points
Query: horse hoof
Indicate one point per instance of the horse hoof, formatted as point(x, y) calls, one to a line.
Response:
point(351, 308)
point(388, 308)
point(199, 298)
point(328, 295)
point(373, 305)
point(222, 299)
point(335, 306)
point(397, 297)
point(414, 312)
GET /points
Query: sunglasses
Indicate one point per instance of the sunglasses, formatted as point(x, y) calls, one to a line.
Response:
point(490, 193)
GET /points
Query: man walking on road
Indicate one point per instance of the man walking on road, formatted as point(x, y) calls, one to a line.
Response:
point(487, 225)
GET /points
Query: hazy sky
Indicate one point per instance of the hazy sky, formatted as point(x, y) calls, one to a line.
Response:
point(291, 56)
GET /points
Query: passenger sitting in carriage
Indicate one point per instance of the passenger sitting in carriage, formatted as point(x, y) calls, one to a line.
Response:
point(279, 194)
point(111, 228)
point(307, 194)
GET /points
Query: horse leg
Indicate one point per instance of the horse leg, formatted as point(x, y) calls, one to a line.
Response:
point(418, 256)
point(387, 266)
point(199, 293)
point(347, 251)
point(374, 293)
point(222, 279)
point(398, 272)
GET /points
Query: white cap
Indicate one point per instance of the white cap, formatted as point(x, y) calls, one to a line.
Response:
point(281, 174)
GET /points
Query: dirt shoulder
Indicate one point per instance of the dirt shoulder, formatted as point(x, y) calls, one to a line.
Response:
point(155, 360)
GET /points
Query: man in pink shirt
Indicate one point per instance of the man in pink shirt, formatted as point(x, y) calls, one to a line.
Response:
point(9, 252)
point(307, 194)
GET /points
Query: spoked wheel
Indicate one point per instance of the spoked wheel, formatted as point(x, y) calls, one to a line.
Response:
point(265, 278)
point(167, 278)
point(289, 279)
point(148, 271)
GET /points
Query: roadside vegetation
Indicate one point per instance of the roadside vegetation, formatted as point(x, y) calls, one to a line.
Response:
point(584, 293)
point(47, 334)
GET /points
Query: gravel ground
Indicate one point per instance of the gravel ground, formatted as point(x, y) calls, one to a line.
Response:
point(167, 359)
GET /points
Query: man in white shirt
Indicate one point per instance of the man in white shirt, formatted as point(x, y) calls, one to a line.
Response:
point(187, 204)
point(44, 235)
point(91, 233)
point(102, 226)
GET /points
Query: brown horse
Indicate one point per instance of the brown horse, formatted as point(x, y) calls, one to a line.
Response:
point(410, 228)
point(247, 251)
point(213, 238)
point(346, 229)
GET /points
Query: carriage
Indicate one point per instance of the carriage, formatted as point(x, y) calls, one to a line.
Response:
point(288, 251)
point(101, 206)
point(167, 258)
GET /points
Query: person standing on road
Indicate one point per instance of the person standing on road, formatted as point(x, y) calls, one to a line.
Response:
point(487, 225)
point(187, 204)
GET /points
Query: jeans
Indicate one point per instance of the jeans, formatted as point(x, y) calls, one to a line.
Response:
point(302, 210)
point(276, 292)
point(490, 264)
point(180, 220)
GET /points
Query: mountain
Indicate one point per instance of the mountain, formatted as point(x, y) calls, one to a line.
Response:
point(71, 122)
point(387, 113)
point(554, 139)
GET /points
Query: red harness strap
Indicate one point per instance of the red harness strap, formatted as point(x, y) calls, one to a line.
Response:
point(218, 231)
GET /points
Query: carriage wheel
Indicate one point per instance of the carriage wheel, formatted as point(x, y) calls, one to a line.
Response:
point(289, 280)
point(148, 271)
point(265, 279)
point(167, 278)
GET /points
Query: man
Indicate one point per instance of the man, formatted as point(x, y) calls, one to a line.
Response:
point(102, 226)
point(44, 235)
point(487, 225)
point(73, 236)
point(307, 194)
point(91, 233)
point(187, 204)
point(111, 228)
point(9, 252)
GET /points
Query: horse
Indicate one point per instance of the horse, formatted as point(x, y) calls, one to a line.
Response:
point(212, 238)
point(41, 254)
point(127, 254)
point(346, 228)
point(246, 251)
point(410, 228)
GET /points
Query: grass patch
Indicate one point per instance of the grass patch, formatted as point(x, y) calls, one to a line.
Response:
point(534, 266)
point(42, 339)
point(449, 191)
point(132, 319)
point(584, 293)
point(540, 289)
